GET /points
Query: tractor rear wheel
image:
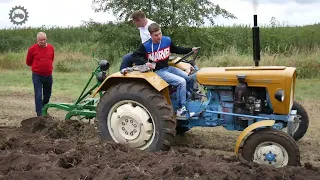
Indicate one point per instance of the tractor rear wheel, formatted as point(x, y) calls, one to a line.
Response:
point(303, 123)
point(136, 114)
point(271, 147)
point(181, 130)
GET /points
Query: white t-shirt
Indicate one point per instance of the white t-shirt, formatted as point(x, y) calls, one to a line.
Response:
point(144, 33)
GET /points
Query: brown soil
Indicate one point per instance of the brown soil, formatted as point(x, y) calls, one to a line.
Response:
point(50, 149)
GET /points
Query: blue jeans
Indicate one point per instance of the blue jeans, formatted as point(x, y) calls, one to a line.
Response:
point(194, 79)
point(126, 61)
point(178, 78)
point(41, 84)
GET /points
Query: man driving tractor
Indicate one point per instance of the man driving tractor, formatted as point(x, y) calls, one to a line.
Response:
point(155, 53)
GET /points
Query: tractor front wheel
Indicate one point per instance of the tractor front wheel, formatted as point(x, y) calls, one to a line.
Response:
point(137, 115)
point(271, 147)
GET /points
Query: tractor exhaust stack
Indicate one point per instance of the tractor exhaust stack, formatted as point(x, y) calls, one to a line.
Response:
point(256, 41)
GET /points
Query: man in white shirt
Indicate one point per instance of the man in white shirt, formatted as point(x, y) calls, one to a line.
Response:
point(142, 22)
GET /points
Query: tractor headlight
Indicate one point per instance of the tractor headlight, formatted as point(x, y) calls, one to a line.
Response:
point(279, 95)
point(104, 65)
point(101, 76)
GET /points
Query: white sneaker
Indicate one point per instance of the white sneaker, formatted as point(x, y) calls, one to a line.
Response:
point(183, 111)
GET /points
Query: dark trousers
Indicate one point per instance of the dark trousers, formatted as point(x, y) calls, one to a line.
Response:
point(42, 91)
point(126, 61)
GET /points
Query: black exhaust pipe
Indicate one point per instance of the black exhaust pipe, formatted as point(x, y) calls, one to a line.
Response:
point(256, 41)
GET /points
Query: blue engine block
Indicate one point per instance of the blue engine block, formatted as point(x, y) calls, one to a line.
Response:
point(218, 110)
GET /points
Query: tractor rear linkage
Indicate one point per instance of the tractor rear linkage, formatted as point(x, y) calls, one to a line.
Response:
point(84, 107)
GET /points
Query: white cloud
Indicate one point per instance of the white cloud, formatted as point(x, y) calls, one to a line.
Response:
point(73, 12)
point(52, 12)
point(5, 1)
point(291, 12)
point(283, 1)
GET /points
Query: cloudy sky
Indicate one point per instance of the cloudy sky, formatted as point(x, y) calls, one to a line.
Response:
point(290, 12)
point(64, 12)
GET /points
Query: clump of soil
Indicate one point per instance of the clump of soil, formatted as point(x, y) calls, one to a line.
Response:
point(45, 148)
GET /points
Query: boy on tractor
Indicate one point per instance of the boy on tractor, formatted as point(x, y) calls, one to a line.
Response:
point(155, 53)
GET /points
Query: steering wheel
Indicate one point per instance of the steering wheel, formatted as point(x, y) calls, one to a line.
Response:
point(186, 56)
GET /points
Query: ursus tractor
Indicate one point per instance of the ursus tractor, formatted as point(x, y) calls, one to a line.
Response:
point(137, 108)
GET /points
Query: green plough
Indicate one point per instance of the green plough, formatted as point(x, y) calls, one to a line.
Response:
point(84, 107)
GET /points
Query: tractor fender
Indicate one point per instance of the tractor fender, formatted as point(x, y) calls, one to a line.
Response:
point(150, 77)
point(247, 130)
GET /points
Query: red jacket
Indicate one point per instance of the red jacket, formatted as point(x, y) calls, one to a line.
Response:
point(41, 59)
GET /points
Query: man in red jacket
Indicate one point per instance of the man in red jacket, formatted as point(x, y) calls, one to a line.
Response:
point(40, 58)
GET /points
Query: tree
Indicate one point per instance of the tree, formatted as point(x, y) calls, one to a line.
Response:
point(166, 12)
point(273, 22)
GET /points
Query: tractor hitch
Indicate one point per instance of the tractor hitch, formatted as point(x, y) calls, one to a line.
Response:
point(84, 107)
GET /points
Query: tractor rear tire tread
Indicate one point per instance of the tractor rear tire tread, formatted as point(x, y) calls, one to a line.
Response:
point(145, 94)
point(270, 134)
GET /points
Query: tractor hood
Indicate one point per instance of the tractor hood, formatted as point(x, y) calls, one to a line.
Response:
point(255, 75)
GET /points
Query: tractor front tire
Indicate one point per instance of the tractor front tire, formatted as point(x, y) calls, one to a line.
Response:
point(137, 115)
point(304, 121)
point(271, 147)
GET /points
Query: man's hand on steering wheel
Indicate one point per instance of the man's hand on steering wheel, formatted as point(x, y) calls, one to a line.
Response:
point(195, 49)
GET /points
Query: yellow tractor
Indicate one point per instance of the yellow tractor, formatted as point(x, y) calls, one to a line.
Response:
point(137, 108)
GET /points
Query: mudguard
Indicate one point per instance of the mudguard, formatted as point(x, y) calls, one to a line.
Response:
point(152, 78)
point(246, 131)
